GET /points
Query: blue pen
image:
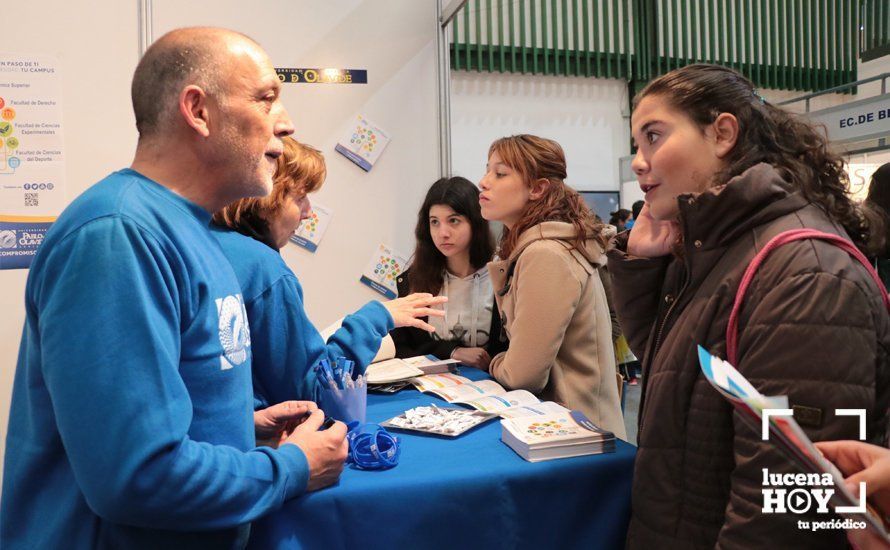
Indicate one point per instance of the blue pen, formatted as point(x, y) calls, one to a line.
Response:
point(319, 374)
point(348, 369)
point(332, 374)
point(326, 365)
point(345, 367)
point(323, 369)
point(338, 372)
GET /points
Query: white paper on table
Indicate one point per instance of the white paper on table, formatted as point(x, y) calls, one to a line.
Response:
point(496, 403)
point(535, 409)
point(391, 370)
point(438, 381)
point(470, 390)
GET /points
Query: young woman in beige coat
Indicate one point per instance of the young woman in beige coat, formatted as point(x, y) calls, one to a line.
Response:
point(547, 282)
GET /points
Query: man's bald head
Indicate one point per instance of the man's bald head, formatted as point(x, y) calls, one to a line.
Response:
point(190, 56)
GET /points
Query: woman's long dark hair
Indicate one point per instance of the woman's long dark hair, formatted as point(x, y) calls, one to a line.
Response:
point(428, 265)
point(768, 134)
point(878, 200)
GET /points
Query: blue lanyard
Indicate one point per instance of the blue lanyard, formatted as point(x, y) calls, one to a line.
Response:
point(371, 447)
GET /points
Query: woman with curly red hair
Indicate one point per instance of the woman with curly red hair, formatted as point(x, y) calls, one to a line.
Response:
point(547, 282)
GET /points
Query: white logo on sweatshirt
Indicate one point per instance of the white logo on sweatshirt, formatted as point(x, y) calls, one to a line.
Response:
point(234, 333)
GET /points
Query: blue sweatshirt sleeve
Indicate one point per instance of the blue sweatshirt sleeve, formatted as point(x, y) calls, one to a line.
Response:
point(286, 344)
point(109, 330)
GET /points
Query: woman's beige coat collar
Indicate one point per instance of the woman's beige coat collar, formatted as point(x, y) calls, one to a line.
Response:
point(564, 232)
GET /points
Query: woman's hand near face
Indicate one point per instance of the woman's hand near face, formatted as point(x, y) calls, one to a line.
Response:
point(406, 311)
point(474, 357)
point(651, 238)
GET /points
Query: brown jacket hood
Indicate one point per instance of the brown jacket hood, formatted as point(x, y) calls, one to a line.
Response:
point(718, 216)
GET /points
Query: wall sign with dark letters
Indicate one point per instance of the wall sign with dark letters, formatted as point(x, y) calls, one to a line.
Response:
point(857, 120)
point(322, 76)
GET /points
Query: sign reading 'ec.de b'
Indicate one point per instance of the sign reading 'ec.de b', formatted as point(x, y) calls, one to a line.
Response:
point(856, 120)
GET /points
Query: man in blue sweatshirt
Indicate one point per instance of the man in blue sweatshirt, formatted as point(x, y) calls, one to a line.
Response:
point(132, 422)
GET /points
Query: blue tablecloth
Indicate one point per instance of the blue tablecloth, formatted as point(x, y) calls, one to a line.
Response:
point(468, 492)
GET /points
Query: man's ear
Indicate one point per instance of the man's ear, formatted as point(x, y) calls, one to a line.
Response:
point(194, 109)
point(726, 133)
point(539, 187)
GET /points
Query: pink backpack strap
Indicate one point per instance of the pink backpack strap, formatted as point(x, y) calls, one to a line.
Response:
point(732, 333)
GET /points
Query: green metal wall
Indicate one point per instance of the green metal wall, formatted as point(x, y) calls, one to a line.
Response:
point(558, 37)
point(783, 44)
point(875, 31)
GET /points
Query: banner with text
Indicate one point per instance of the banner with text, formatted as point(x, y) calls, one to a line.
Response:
point(32, 164)
point(322, 76)
point(857, 120)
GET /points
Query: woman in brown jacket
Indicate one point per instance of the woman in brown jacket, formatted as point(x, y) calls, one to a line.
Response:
point(723, 172)
point(547, 282)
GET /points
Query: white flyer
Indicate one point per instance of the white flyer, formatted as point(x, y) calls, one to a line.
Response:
point(363, 143)
point(308, 235)
point(382, 270)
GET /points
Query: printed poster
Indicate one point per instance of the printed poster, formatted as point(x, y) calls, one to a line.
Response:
point(32, 167)
point(381, 272)
point(308, 235)
point(363, 144)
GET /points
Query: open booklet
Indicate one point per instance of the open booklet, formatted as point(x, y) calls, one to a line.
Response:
point(395, 370)
point(485, 395)
point(786, 435)
point(433, 375)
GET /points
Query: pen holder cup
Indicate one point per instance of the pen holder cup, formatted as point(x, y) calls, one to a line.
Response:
point(347, 405)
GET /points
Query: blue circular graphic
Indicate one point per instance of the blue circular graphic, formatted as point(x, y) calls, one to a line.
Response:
point(14, 162)
point(50, 186)
point(42, 186)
